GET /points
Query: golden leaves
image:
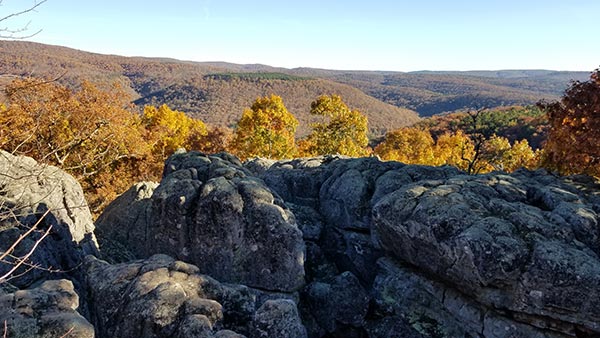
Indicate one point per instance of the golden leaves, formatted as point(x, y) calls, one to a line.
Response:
point(344, 132)
point(416, 146)
point(267, 129)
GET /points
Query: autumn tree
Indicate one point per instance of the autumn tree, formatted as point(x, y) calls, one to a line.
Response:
point(573, 144)
point(521, 155)
point(267, 129)
point(416, 146)
point(86, 132)
point(170, 130)
point(217, 140)
point(455, 149)
point(343, 132)
point(407, 145)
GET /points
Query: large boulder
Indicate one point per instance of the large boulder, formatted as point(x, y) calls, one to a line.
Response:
point(163, 297)
point(278, 318)
point(211, 212)
point(525, 243)
point(422, 307)
point(128, 217)
point(50, 310)
point(42, 196)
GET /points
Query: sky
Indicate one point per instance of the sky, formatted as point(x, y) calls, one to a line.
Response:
point(395, 35)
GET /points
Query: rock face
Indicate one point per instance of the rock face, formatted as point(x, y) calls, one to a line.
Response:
point(493, 255)
point(162, 297)
point(392, 250)
point(210, 211)
point(522, 243)
point(46, 311)
point(28, 191)
point(129, 215)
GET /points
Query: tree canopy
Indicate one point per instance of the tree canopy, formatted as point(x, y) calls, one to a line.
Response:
point(267, 129)
point(86, 131)
point(573, 144)
point(343, 132)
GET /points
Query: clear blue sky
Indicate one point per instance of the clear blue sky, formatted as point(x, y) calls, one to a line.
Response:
point(397, 35)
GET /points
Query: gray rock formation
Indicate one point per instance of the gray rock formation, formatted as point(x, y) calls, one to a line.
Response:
point(128, 216)
point(162, 297)
point(278, 318)
point(340, 301)
point(524, 243)
point(47, 311)
point(513, 249)
point(210, 211)
point(28, 191)
point(392, 250)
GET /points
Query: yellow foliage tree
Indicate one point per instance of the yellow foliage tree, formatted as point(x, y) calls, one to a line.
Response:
point(498, 154)
point(493, 152)
point(344, 133)
point(170, 130)
point(407, 145)
point(521, 156)
point(454, 149)
point(267, 129)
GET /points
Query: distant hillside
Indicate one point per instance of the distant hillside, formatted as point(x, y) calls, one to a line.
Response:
point(218, 91)
point(220, 99)
point(431, 93)
point(215, 92)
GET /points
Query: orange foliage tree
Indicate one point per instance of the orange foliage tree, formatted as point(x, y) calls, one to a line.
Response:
point(573, 144)
point(267, 129)
point(216, 140)
point(93, 135)
point(87, 132)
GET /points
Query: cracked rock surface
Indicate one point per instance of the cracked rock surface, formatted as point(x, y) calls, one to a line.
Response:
point(338, 247)
point(33, 193)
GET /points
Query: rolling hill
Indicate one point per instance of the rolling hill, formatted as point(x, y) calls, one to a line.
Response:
point(430, 93)
point(217, 92)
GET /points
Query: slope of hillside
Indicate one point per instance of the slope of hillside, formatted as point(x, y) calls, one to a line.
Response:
point(220, 100)
point(199, 89)
point(431, 93)
point(389, 99)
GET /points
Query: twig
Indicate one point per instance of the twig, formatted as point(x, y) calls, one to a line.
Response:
point(68, 332)
point(23, 259)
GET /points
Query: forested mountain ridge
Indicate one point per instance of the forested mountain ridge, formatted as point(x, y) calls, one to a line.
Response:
point(203, 90)
point(217, 92)
point(435, 92)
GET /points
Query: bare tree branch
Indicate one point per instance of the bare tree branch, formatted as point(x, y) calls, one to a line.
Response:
point(22, 260)
point(15, 33)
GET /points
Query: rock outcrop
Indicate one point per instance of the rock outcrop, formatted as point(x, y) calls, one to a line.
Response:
point(33, 193)
point(525, 244)
point(338, 247)
point(162, 297)
point(49, 310)
point(492, 255)
point(211, 212)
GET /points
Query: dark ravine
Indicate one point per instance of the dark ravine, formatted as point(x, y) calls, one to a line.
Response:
point(329, 247)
